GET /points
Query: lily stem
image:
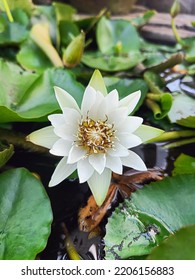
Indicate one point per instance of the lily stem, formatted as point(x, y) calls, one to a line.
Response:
point(171, 135)
point(175, 32)
point(179, 143)
point(8, 12)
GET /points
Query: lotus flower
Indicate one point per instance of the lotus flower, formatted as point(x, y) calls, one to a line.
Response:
point(95, 139)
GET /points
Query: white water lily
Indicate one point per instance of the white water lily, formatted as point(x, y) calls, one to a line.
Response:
point(94, 139)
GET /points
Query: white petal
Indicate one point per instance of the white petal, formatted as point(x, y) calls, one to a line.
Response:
point(65, 100)
point(56, 119)
point(75, 154)
point(62, 171)
point(61, 148)
point(130, 124)
point(134, 161)
point(89, 99)
point(118, 150)
point(69, 116)
point(98, 161)
point(117, 116)
point(115, 164)
point(95, 112)
point(146, 132)
point(85, 170)
point(66, 131)
point(43, 137)
point(99, 185)
point(130, 101)
point(110, 102)
point(128, 140)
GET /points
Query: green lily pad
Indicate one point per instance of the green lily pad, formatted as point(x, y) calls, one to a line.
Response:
point(17, 31)
point(25, 215)
point(180, 246)
point(6, 153)
point(30, 97)
point(127, 86)
point(153, 213)
point(188, 122)
point(183, 107)
point(143, 19)
point(112, 33)
point(184, 164)
point(111, 62)
point(26, 5)
point(31, 57)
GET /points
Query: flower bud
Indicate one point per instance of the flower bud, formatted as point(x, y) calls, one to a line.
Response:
point(175, 9)
point(73, 53)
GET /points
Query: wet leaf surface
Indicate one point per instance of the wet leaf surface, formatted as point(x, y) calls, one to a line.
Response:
point(23, 235)
point(164, 207)
point(180, 246)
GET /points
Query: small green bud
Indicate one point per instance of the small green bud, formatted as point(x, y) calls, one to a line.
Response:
point(175, 9)
point(73, 53)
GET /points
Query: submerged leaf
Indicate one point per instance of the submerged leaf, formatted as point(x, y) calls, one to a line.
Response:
point(24, 232)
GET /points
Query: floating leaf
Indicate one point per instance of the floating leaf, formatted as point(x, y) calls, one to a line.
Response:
point(26, 96)
point(153, 213)
point(180, 246)
point(143, 19)
point(6, 153)
point(184, 164)
point(63, 11)
point(188, 122)
point(68, 30)
point(112, 32)
point(31, 57)
point(183, 107)
point(127, 86)
point(25, 215)
point(17, 31)
point(111, 62)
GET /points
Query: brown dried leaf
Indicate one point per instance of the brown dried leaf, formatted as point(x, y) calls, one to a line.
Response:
point(91, 215)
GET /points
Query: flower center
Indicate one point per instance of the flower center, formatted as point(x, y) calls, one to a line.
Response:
point(95, 136)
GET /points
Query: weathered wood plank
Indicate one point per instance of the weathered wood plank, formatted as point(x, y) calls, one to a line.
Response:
point(159, 28)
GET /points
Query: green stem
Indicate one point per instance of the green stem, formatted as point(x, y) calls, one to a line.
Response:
point(8, 12)
point(153, 106)
point(70, 248)
point(179, 143)
point(154, 96)
point(175, 32)
point(166, 136)
point(19, 140)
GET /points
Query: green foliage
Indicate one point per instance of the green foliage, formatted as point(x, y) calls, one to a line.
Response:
point(31, 96)
point(112, 33)
point(111, 62)
point(6, 153)
point(180, 246)
point(25, 217)
point(152, 214)
point(14, 32)
point(184, 164)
